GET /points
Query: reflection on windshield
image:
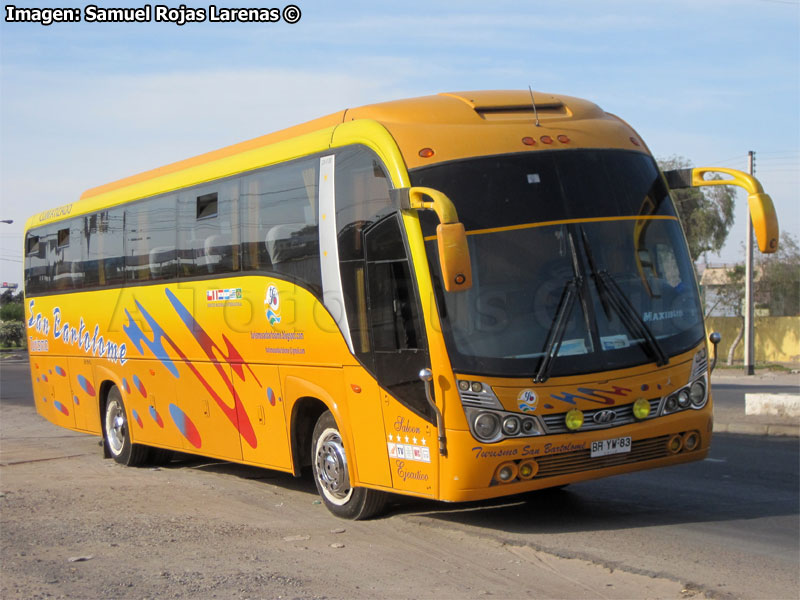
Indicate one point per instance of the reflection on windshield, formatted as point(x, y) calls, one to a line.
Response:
point(592, 274)
point(522, 307)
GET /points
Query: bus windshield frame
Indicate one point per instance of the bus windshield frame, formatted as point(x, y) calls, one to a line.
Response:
point(580, 265)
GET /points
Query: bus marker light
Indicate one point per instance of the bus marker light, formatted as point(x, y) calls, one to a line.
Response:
point(528, 141)
point(675, 444)
point(355, 388)
point(563, 139)
point(546, 139)
point(574, 419)
point(426, 152)
point(634, 141)
point(641, 409)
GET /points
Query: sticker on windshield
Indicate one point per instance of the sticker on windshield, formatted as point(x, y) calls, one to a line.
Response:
point(534, 178)
point(614, 342)
point(572, 347)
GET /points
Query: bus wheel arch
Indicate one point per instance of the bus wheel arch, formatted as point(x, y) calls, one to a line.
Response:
point(306, 412)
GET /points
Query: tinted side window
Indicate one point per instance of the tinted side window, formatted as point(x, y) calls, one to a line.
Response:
point(362, 196)
point(37, 271)
point(208, 237)
point(399, 348)
point(66, 267)
point(103, 255)
point(279, 221)
point(150, 244)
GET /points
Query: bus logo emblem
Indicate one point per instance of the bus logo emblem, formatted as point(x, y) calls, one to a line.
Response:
point(272, 305)
point(604, 417)
point(527, 401)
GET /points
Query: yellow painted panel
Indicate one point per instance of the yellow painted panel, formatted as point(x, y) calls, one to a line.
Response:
point(369, 438)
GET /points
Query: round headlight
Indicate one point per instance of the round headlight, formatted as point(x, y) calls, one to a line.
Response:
point(463, 386)
point(672, 404)
point(511, 425)
point(697, 393)
point(486, 425)
point(574, 419)
point(476, 387)
point(683, 398)
point(528, 426)
point(641, 409)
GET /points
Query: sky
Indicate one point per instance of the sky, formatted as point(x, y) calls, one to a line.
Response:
point(82, 104)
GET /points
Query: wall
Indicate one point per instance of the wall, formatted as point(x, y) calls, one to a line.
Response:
point(777, 339)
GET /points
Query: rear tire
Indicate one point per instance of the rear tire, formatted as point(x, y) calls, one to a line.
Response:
point(329, 465)
point(116, 435)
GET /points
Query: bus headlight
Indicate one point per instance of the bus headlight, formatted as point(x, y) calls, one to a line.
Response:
point(486, 425)
point(697, 394)
point(683, 398)
point(511, 425)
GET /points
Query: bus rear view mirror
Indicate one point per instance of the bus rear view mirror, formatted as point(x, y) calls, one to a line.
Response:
point(450, 234)
point(762, 211)
point(454, 257)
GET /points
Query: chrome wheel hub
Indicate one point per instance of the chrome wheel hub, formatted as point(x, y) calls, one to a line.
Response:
point(331, 465)
point(115, 426)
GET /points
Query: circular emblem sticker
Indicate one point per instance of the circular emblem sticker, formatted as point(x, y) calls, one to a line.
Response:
point(527, 401)
point(272, 305)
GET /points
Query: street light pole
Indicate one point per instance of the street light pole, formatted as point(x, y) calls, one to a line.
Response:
point(749, 329)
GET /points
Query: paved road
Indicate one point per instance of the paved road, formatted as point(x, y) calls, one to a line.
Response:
point(724, 527)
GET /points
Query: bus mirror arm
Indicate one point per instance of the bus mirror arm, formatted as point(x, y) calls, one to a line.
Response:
point(427, 377)
point(762, 210)
point(450, 234)
point(715, 339)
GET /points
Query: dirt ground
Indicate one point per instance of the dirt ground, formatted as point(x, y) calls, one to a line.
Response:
point(73, 525)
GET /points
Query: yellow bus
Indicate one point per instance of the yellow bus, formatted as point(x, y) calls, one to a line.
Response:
point(455, 297)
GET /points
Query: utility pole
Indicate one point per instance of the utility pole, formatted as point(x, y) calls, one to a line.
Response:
point(749, 330)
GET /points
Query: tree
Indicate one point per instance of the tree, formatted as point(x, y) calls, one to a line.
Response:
point(705, 213)
point(779, 284)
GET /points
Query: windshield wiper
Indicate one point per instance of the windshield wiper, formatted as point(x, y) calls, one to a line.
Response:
point(612, 295)
point(557, 331)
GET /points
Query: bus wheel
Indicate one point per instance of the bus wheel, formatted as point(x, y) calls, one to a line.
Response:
point(329, 464)
point(115, 432)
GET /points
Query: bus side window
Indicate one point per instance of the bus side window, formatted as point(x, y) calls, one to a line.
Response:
point(280, 232)
point(208, 235)
point(37, 273)
point(150, 251)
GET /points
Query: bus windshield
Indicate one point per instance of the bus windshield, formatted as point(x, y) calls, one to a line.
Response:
point(579, 264)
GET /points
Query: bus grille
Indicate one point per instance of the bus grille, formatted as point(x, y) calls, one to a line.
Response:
point(556, 423)
point(580, 460)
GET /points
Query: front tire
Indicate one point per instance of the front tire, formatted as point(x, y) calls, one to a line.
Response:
point(116, 435)
point(329, 465)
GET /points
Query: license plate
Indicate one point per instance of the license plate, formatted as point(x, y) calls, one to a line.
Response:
point(615, 446)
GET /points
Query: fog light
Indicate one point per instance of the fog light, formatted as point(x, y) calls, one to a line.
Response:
point(476, 387)
point(574, 419)
point(641, 409)
point(463, 386)
point(506, 472)
point(511, 425)
point(528, 426)
point(671, 404)
point(486, 425)
point(675, 444)
point(683, 398)
point(697, 393)
point(691, 441)
point(528, 469)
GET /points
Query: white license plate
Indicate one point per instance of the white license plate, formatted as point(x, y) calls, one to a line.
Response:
point(615, 446)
